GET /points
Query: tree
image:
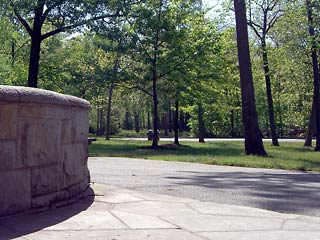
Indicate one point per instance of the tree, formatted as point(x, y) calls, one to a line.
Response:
point(45, 18)
point(268, 13)
point(316, 76)
point(253, 138)
point(160, 27)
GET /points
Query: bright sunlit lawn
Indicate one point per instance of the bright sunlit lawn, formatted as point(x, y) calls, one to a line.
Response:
point(291, 156)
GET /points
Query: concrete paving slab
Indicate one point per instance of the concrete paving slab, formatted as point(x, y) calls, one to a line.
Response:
point(206, 223)
point(90, 221)
point(155, 217)
point(230, 210)
point(155, 197)
point(137, 221)
point(155, 208)
point(262, 235)
point(154, 234)
point(301, 225)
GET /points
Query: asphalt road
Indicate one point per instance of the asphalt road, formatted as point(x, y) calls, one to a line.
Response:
point(277, 190)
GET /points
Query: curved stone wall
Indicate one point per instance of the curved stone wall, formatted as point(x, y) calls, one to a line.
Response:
point(43, 148)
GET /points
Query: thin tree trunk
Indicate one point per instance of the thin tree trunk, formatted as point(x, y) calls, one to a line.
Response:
point(111, 87)
point(316, 77)
point(155, 110)
point(253, 138)
point(201, 124)
point(154, 82)
point(98, 118)
point(187, 118)
point(165, 125)
point(100, 113)
point(108, 125)
point(181, 122)
point(311, 127)
point(170, 120)
point(12, 53)
point(126, 123)
point(149, 122)
point(273, 131)
point(176, 123)
point(136, 122)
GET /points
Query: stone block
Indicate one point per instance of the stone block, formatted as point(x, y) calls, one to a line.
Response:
point(81, 125)
point(39, 142)
point(43, 147)
point(37, 110)
point(15, 188)
point(45, 180)
point(8, 155)
point(66, 131)
point(74, 164)
point(8, 120)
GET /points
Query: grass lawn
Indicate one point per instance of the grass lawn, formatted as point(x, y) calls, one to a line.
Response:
point(291, 156)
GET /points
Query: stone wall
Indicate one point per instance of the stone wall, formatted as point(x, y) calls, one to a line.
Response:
point(43, 148)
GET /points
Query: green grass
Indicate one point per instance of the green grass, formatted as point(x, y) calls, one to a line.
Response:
point(290, 156)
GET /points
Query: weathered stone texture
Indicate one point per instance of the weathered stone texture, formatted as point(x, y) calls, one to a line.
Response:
point(7, 155)
point(45, 180)
point(39, 141)
point(73, 172)
point(15, 191)
point(43, 148)
point(8, 120)
point(80, 125)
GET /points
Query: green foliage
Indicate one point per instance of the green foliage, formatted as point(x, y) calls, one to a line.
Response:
point(196, 61)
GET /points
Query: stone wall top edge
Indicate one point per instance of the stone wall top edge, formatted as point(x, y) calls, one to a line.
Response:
point(35, 95)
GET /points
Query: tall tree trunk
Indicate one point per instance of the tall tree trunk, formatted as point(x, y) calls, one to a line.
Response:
point(202, 130)
point(108, 125)
point(98, 121)
point(311, 126)
point(316, 76)
point(149, 122)
point(34, 60)
point(136, 122)
point(126, 123)
point(273, 131)
point(170, 121)
point(181, 121)
point(166, 125)
point(253, 138)
point(187, 118)
point(154, 81)
point(12, 53)
point(111, 87)
point(36, 39)
point(100, 124)
point(176, 123)
point(155, 111)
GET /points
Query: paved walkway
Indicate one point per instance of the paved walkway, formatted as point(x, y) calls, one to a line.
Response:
point(110, 213)
point(292, 192)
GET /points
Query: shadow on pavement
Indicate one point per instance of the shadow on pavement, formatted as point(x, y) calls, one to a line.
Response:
point(25, 223)
point(287, 193)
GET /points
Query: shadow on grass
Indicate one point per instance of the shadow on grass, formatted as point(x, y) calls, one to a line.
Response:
point(141, 150)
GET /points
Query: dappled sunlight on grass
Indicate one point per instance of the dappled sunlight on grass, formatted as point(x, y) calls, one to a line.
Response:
point(292, 156)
